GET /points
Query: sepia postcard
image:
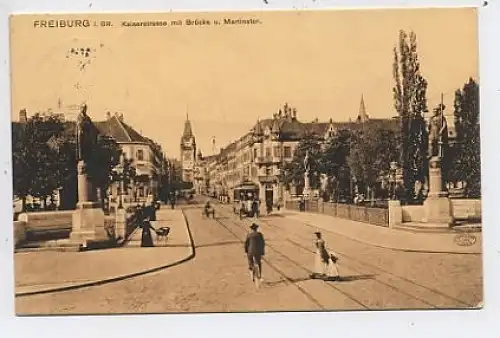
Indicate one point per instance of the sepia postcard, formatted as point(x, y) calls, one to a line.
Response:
point(320, 160)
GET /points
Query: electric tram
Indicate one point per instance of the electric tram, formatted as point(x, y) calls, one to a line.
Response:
point(246, 199)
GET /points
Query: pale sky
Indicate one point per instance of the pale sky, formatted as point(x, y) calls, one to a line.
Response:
point(226, 77)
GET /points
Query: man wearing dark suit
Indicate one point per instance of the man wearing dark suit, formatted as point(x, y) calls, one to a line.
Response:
point(255, 248)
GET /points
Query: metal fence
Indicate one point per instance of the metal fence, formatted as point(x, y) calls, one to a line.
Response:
point(376, 216)
point(133, 221)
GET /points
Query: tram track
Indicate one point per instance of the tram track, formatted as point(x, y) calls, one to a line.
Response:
point(288, 278)
point(431, 291)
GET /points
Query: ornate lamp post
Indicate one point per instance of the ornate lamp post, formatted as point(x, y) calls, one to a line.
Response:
point(394, 167)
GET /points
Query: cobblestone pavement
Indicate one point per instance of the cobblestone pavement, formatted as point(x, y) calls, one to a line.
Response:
point(217, 279)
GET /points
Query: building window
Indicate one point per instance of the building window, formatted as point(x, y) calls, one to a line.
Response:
point(140, 155)
point(287, 152)
point(255, 153)
point(277, 152)
point(269, 171)
point(254, 172)
point(268, 152)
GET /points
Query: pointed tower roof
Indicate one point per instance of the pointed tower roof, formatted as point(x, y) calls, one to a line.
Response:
point(258, 128)
point(362, 115)
point(188, 131)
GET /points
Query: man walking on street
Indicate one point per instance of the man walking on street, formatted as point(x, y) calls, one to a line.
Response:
point(255, 248)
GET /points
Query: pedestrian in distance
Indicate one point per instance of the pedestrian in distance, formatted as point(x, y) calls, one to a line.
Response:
point(325, 265)
point(255, 248)
point(151, 211)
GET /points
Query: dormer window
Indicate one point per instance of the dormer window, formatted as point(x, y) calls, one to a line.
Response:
point(140, 155)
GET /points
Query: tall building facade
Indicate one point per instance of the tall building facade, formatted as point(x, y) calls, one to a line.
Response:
point(188, 153)
point(260, 155)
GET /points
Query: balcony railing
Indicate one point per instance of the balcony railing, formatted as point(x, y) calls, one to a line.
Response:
point(268, 178)
point(267, 160)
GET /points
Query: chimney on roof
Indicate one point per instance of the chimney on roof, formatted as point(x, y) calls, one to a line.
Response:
point(23, 116)
point(119, 116)
point(294, 114)
point(108, 115)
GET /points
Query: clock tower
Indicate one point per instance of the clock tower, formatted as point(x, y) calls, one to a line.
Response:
point(188, 152)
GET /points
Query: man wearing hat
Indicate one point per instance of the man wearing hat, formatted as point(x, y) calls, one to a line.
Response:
point(255, 247)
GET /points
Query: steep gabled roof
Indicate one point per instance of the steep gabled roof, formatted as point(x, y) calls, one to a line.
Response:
point(119, 130)
point(261, 125)
point(318, 128)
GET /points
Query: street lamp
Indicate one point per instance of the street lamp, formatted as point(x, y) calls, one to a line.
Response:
point(394, 167)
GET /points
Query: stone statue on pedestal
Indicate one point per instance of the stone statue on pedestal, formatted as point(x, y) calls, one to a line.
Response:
point(438, 133)
point(307, 167)
point(307, 162)
point(88, 218)
point(86, 139)
point(437, 204)
point(86, 135)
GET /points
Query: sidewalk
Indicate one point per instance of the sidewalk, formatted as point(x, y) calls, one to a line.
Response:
point(50, 271)
point(385, 237)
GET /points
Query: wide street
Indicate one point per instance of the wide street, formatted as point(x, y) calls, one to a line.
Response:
point(217, 279)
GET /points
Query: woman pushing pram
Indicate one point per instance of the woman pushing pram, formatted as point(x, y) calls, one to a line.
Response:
point(325, 266)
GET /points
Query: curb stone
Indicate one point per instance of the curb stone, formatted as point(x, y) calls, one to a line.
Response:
point(391, 247)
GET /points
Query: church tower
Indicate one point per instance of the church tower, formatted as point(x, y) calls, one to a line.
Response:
point(362, 115)
point(188, 152)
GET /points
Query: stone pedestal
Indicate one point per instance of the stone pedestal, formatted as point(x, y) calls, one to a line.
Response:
point(121, 224)
point(88, 223)
point(395, 213)
point(86, 191)
point(437, 206)
point(307, 185)
point(88, 218)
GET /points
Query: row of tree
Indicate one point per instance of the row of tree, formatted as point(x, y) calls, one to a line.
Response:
point(44, 160)
point(351, 158)
point(461, 158)
point(359, 157)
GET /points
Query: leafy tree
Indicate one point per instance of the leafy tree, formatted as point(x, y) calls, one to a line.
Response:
point(21, 164)
point(410, 102)
point(127, 173)
point(466, 162)
point(293, 172)
point(334, 163)
point(100, 166)
point(373, 149)
point(36, 161)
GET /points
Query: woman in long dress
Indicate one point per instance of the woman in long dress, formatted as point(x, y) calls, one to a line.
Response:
point(147, 238)
point(325, 263)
